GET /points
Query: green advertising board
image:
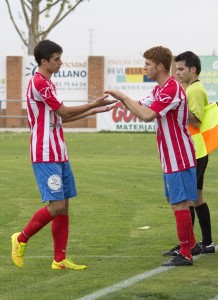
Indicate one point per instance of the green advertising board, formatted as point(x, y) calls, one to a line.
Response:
point(209, 76)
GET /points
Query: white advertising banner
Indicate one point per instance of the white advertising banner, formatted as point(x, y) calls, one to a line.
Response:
point(2, 82)
point(71, 81)
point(127, 75)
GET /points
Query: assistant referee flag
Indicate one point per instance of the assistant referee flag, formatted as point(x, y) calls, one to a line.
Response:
point(206, 136)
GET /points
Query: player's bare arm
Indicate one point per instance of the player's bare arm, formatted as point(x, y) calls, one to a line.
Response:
point(90, 112)
point(193, 121)
point(144, 113)
point(66, 112)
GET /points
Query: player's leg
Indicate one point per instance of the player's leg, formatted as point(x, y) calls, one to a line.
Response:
point(50, 186)
point(179, 187)
point(60, 232)
point(192, 211)
point(202, 209)
point(60, 225)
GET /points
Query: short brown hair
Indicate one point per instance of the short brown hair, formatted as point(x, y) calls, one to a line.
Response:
point(160, 55)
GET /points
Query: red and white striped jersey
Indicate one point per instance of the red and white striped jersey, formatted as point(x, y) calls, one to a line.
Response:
point(175, 146)
point(47, 139)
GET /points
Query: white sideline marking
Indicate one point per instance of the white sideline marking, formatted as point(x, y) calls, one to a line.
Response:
point(125, 283)
point(132, 280)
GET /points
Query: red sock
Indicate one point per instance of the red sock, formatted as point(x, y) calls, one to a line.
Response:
point(60, 230)
point(38, 221)
point(184, 229)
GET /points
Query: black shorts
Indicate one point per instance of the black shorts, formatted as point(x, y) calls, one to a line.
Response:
point(201, 167)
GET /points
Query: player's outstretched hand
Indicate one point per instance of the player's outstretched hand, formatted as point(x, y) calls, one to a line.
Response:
point(102, 101)
point(102, 109)
point(116, 94)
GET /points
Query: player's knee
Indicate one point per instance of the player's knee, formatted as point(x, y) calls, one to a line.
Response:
point(57, 207)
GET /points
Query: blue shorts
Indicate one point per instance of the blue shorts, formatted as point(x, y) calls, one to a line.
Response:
point(55, 180)
point(181, 186)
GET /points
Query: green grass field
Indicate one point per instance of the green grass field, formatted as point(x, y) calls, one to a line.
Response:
point(119, 184)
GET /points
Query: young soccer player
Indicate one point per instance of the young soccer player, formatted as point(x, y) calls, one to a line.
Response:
point(188, 69)
point(167, 105)
point(49, 157)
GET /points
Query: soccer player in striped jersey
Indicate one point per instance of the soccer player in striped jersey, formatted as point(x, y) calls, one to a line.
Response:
point(167, 105)
point(54, 176)
point(188, 69)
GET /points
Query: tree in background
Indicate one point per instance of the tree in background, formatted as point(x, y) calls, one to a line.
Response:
point(36, 12)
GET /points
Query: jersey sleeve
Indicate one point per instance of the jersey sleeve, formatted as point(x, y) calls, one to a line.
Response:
point(195, 98)
point(147, 101)
point(46, 92)
point(167, 98)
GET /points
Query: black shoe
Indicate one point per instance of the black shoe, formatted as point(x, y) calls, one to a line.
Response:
point(207, 249)
point(172, 252)
point(178, 260)
point(196, 250)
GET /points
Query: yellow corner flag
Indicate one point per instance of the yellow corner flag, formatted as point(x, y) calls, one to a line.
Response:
point(206, 136)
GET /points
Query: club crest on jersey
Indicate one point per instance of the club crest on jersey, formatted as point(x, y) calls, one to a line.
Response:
point(54, 182)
